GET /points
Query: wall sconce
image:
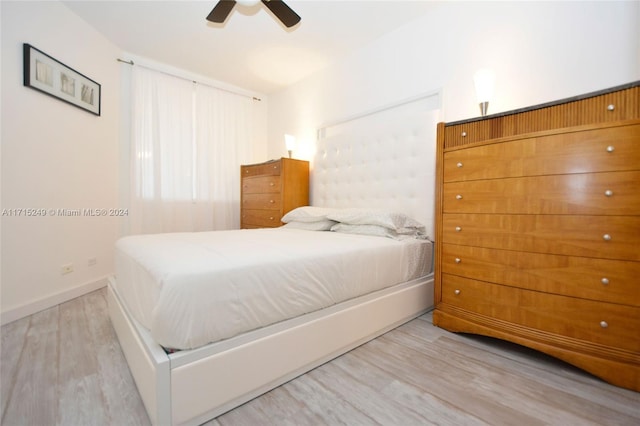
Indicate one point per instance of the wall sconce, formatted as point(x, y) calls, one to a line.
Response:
point(290, 143)
point(485, 81)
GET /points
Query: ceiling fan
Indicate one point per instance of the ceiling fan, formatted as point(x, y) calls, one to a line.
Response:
point(283, 12)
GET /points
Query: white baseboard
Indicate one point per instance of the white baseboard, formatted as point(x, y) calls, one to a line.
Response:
point(51, 301)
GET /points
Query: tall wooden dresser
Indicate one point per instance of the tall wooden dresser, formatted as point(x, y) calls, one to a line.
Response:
point(538, 230)
point(270, 190)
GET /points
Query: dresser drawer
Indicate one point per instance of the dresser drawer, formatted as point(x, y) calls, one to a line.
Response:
point(604, 108)
point(614, 281)
point(607, 237)
point(466, 133)
point(599, 150)
point(599, 322)
point(263, 169)
point(612, 193)
point(261, 201)
point(260, 218)
point(261, 184)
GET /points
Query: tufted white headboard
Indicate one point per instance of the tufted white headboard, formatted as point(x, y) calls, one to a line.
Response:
point(381, 160)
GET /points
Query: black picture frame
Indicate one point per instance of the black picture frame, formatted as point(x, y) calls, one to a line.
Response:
point(51, 77)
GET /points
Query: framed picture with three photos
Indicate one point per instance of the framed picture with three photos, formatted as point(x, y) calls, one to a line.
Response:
point(50, 76)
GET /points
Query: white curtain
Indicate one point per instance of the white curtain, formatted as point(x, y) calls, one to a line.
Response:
point(188, 141)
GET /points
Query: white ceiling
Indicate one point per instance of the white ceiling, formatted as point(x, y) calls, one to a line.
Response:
point(252, 49)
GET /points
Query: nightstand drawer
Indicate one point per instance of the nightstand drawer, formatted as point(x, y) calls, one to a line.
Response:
point(612, 193)
point(614, 281)
point(598, 322)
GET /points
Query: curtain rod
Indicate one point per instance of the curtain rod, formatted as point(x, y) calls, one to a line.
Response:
point(197, 82)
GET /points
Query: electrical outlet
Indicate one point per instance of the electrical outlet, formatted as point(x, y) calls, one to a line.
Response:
point(92, 261)
point(66, 269)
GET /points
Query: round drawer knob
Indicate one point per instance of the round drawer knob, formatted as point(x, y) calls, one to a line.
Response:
point(271, 201)
point(271, 184)
point(608, 193)
point(271, 218)
point(464, 134)
point(606, 237)
point(611, 107)
point(458, 229)
point(605, 281)
point(604, 324)
point(458, 260)
point(456, 291)
point(458, 197)
point(459, 165)
point(610, 148)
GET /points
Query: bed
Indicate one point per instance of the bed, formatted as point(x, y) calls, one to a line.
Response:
point(186, 376)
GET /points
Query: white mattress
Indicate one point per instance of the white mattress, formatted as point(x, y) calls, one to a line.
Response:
point(190, 289)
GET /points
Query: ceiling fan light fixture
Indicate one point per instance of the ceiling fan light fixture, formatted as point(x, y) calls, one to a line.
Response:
point(280, 10)
point(248, 3)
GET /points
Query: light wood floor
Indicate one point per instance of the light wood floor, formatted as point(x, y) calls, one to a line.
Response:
point(63, 366)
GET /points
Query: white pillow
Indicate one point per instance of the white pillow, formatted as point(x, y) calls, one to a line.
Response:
point(322, 225)
point(391, 220)
point(307, 214)
point(377, 231)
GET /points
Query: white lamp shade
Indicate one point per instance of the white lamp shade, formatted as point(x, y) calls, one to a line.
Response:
point(290, 142)
point(485, 81)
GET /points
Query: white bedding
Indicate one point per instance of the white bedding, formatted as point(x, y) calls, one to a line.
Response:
point(190, 289)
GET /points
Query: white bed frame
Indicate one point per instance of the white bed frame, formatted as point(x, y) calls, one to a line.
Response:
point(191, 387)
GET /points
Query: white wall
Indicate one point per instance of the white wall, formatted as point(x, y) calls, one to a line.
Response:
point(540, 52)
point(55, 156)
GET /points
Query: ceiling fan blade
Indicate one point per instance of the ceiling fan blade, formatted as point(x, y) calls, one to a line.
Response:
point(221, 11)
point(283, 12)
